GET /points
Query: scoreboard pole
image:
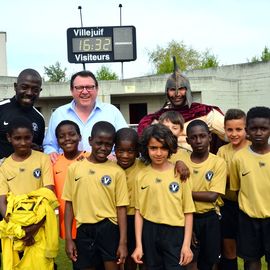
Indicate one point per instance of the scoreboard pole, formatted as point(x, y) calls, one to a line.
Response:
point(80, 8)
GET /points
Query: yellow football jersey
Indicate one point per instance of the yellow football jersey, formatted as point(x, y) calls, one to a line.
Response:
point(209, 175)
point(95, 190)
point(250, 174)
point(226, 152)
point(179, 155)
point(163, 198)
point(131, 174)
point(21, 177)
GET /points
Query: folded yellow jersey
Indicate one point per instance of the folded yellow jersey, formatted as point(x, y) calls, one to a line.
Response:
point(24, 210)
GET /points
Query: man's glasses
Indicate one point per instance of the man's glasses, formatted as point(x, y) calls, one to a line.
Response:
point(88, 88)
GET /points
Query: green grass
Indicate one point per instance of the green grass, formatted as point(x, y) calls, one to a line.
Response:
point(63, 263)
point(241, 264)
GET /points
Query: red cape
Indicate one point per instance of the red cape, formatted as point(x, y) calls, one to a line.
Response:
point(196, 110)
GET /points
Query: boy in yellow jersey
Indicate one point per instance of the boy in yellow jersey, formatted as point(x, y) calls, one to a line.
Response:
point(208, 174)
point(250, 175)
point(24, 171)
point(164, 205)
point(96, 194)
point(126, 151)
point(234, 125)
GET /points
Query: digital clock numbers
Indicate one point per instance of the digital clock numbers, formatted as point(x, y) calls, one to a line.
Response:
point(94, 44)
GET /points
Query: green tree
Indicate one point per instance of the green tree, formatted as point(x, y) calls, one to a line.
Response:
point(254, 59)
point(208, 60)
point(55, 73)
point(186, 57)
point(265, 56)
point(105, 74)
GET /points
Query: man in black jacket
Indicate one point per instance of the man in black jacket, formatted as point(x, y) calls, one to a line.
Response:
point(27, 90)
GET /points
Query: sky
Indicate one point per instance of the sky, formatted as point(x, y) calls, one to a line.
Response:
point(234, 30)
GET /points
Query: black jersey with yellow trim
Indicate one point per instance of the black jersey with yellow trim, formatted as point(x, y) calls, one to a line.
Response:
point(9, 109)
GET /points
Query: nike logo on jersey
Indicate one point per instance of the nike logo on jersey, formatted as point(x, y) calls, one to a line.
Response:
point(244, 174)
point(58, 172)
point(261, 164)
point(158, 180)
point(77, 178)
point(5, 123)
point(9, 179)
point(144, 187)
point(91, 172)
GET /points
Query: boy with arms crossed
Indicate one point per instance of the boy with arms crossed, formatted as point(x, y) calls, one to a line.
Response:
point(96, 195)
point(234, 125)
point(250, 175)
point(208, 174)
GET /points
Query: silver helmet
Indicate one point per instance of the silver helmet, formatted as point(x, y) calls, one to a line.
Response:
point(178, 80)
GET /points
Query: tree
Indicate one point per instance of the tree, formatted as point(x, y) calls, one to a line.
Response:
point(265, 56)
point(105, 74)
point(254, 59)
point(55, 73)
point(208, 60)
point(186, 57)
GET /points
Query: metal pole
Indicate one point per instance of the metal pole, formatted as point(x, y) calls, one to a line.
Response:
point(80, 8)
point(122, 63)
point(120, 6)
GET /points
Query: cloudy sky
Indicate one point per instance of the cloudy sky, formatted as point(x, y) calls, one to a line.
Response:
point(234, 30)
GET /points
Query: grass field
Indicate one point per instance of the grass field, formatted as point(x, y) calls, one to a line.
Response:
point(241, 264)
point(63, 263)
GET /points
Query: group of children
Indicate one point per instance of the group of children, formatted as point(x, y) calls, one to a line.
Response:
point(137, 212)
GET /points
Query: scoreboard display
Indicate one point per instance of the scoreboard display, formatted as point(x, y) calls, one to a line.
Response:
point(101, 44)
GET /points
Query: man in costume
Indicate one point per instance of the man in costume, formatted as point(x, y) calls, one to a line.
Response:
point(179, 99)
